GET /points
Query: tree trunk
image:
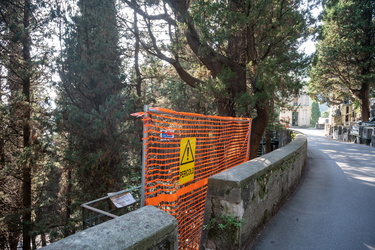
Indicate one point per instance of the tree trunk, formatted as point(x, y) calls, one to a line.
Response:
point(268, 142)
point(225, 107)
point(68, 204)
point(2, 133)
point(14, 234)
point(33, 241)
point(138, 79)
point(257, 128)
point(44, 239)
point(366, 70)
point(26, 168)
point(365, 102)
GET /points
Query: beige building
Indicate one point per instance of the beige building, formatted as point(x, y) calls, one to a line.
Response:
point(342, 115)
point(298, 113)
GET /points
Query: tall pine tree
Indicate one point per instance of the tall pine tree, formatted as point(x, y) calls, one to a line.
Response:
point(92, 106)
point(23, 106)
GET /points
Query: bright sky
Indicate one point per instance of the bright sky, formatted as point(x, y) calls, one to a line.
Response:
point(308, 47)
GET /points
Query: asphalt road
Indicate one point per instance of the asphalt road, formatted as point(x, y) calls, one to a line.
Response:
point(334, 205)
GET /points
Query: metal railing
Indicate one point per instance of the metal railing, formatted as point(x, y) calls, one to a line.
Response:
point(104, 209)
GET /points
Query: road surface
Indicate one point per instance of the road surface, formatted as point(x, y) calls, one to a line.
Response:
point(334, 205)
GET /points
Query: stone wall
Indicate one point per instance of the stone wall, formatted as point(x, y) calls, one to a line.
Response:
point(145, 228)
point(240, 200)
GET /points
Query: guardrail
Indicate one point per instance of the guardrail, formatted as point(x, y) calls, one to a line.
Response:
point(104, 209)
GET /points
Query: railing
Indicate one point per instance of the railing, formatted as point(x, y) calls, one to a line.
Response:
point(104, 209)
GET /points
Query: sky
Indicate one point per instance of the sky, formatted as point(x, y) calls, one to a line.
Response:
point(308, 47)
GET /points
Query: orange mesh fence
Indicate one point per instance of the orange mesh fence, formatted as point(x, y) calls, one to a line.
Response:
point(182, 150)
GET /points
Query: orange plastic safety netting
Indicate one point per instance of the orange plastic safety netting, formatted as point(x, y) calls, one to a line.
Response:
point(182, 150)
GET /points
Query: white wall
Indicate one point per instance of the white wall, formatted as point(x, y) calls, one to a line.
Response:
point(304, 111)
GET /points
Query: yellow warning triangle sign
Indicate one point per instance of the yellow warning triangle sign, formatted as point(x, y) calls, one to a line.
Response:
point(188, 152)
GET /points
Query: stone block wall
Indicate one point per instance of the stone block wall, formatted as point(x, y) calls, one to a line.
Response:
point(147, 228)
point(239, 202)
point(242, 199)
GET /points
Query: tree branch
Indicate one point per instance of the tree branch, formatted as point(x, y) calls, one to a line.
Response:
point(185, 76)
point(132, 4)
point(138, 74)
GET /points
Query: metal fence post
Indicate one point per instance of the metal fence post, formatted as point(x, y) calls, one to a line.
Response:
point(248, 142)
point(144, 148)
point(84, 226)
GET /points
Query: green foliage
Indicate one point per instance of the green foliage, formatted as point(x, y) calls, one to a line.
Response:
point(315, 113)
point(275, 126)
point(26, 141)
point(293, 136)
point(217, 21)
point(247, 49)
point(167, 90)
point(263, 181)
point(224, 222)
point(343, 65)
point(99, 143)
point(325, 114)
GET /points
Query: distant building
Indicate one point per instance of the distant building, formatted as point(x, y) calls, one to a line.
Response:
point(342, 114)
point(298, 113)
point(323, 120)
point(345, 114)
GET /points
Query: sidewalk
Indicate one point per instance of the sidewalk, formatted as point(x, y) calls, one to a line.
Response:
point(334, 205)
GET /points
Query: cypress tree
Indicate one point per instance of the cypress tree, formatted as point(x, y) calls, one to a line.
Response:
point(343, 66)
point(92, 110)
point(315, 113)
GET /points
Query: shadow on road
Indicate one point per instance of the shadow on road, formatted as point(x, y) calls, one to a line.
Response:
point(334, 205)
